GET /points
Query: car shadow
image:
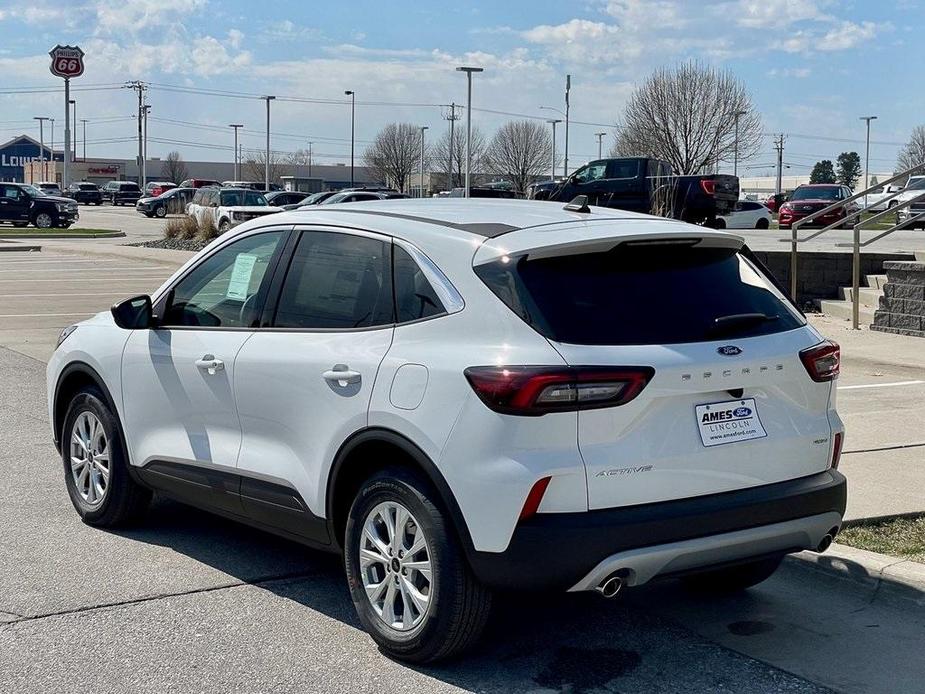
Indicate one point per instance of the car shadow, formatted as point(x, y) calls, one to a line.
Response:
point(550, 642)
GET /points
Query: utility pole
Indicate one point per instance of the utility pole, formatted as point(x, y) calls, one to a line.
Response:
point(423, 128)
point(600, 140)
point(73, 103)
point(52, 138)
point(452, 118)
point(353, 105)
point(41, 120)
point(237, 161)
point(469, 71)
point(139, 87)
point(735, 145)
point(779, 146)
point(867, 159)
point(144, 152)
point(84, 121)
point(266, 168)
point(568, 88)
point(553, 121)
point(310, 159)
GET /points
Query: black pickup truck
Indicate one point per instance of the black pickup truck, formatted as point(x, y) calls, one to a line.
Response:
point(22, 204)
point(640, 184)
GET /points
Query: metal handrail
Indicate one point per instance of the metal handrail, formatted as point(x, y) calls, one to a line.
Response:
point(856, 243)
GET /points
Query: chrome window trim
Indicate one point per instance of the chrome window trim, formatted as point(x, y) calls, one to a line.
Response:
point(447, 293)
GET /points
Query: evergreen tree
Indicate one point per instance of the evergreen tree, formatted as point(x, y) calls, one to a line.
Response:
point(823, 172)
point(849, 169)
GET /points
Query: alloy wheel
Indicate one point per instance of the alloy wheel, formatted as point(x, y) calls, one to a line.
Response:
point(90, 461)
point(395, 564)
point(43, 220)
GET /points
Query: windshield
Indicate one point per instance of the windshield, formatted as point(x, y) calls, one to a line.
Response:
point(87, 186)
point(916, 184)
point(32, 190)
point(238, 198)
point(812, 193)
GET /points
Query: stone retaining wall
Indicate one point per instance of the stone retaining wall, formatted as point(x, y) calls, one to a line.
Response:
point(902, 306)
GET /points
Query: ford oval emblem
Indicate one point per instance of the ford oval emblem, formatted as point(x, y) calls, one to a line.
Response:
point(742, 412)
point(729, 350)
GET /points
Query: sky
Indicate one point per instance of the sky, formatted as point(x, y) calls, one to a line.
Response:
point(813, 67)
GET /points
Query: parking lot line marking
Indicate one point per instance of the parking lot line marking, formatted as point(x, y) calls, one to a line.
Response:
point(93, 279)
point(20, 296)
point(881, 385)
point(43, 315)
point(113, 269)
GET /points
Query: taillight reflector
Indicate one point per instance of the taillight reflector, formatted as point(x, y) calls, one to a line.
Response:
point(532, 503)
point(822, 362)
point(537, 390)
point(708, 185)
point(836, 449)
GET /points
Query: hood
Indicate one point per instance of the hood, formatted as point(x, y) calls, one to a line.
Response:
point(147, 199)
point(267, 209)
point(818, 202)
point(57, 198)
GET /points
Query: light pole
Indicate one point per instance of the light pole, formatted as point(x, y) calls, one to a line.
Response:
point(553, 121)
point(144, 151)
point(73, 103)
point(423, 128)
point(868, 119)
point(310, 159)
point(735, 144)
point(52, 147)
point(266, 168)
point(600, 140)
point(468, 71)
point(237, 162)
point(353, 106)
point(41, 120)
point(84, 121)
point(568, 88)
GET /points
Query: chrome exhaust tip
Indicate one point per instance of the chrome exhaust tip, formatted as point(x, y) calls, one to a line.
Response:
point(610, 586)
point(825, 543)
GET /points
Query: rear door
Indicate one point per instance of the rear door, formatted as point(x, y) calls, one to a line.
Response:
point(14, 205)
point(730, 404)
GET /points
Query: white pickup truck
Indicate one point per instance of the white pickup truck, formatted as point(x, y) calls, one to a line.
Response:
point(223, 208)
point(876, 201)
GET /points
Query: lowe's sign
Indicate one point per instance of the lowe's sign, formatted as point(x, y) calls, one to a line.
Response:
point(17, 153)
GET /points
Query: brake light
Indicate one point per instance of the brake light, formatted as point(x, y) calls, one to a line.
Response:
point(708, 185)
point(836, 450)
point(822, 362)
point(536, 390)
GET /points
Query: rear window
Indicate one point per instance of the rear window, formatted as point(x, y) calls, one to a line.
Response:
point(640, 295)
point(129, 186)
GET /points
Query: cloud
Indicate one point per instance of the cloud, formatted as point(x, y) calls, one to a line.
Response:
point(134, 16)
point(287, 30)
point(775, 14)
point(235, 37)
point(838, 38)
point(798, 72)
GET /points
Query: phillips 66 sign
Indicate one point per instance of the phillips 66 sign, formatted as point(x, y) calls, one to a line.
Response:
point(67, 61)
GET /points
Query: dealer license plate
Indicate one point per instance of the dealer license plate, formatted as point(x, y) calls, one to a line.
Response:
point(729, 422)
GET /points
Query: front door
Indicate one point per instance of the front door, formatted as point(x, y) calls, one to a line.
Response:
point(304, 386)
point(177, 379)
point(14, 205)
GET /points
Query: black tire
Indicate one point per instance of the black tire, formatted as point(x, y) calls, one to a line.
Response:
point(224, 226)
point(40, 217)
point(459, 605)
point(719, 223)
point(733, 579)
point(124, 500)
point(762, 224)
point(160, 211)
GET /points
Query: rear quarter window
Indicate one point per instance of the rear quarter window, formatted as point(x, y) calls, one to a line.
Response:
point(638, 295)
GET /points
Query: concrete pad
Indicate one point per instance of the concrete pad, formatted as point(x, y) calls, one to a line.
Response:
point(884, 483)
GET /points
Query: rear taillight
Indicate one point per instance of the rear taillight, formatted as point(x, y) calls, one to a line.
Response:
point(708, 185)
point(822, 361)
point(836, 449)
point(532, 502)
point(536, 390)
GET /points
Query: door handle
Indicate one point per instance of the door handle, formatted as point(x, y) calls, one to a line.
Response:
point(341, 375)
point(210, 364)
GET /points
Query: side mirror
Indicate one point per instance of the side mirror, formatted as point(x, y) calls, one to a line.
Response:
point(134, 313)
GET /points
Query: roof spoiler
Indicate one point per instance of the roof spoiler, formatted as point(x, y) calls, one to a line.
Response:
point(578, 204)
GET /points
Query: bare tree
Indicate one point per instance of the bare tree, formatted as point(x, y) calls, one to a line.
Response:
point(254, 167)
point(686, 115)
point(173, 168)
point(395, 154)
point(441, 153)
point(913, 153)
point(521, 150)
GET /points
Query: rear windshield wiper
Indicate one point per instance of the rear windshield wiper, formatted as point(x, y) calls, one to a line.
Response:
point(724, 324)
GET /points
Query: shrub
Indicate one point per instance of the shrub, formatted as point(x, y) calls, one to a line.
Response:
point(184, 227)
point(207, 231)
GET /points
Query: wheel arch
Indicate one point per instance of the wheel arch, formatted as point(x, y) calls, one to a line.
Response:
point(74, 377)
point(357, 460)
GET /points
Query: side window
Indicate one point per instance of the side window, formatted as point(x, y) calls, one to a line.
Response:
point(11, 192)
point(592, 172)
point(224, 290)
point(197, 198)
point(414, 297)
point(336, 281)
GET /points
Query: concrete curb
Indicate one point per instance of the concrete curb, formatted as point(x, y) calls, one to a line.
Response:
point(893, 576)
point(16, 247)
point(130, 252)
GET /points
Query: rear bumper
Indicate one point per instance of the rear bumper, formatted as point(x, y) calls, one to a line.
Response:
point(563, 551)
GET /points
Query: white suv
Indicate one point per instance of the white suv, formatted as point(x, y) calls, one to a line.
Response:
point(466, 396)
point(220, 209)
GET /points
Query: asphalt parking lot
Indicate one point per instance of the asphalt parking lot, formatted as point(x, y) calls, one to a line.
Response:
point(190, 602)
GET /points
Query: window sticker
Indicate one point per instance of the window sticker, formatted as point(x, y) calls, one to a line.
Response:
point(240, 281)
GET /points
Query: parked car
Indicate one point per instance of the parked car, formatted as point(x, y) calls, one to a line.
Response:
point(639, 184)
point(455, 423)
point(914, 187)
point(483, 192)
point(281, 198)
point(812, 197)
point(747, 215)
point(249, 185)
point(199, 183)
point(360, 196)
point(223, 208)
point(313, 199)
point(22, 204)
point(122, 192)
point(85, 192)
point(173, 201)
point(775, 200)
point(155, 188)
point(876, 201)
point(49, 188)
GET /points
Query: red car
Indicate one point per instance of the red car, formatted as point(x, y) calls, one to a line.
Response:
point(812, 197)
point(775, 200)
